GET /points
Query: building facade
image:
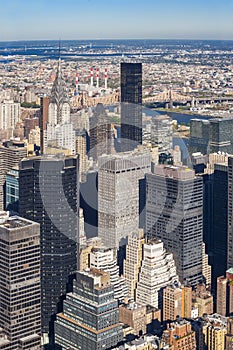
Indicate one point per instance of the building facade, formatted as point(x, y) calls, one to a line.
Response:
point(131, 110)
point(49, 195)
point(174, 215)
point(20, 285)
point(90, 318)
point(118, 195)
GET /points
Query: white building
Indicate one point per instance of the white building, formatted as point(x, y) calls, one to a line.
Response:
point(60, 132)
point(9, 114)
point(158, 270)
point(103, 258)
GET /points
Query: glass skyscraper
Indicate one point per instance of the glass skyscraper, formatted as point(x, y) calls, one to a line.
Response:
point(131, 109)
point(49, 195)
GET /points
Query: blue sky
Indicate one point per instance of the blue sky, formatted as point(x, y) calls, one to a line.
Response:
point(103, 19)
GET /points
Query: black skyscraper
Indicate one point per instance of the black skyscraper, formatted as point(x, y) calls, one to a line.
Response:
point(131, 110)
point(49, 195)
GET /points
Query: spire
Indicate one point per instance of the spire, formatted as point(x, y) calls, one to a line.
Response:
point(59, 94)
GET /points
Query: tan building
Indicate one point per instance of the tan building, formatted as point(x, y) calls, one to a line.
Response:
point(134, 315)
point(34, 136)
point(203, 300)
point(81, 150)
point(133, 260)
point(229, 334)
point(214, 336)
point(221, 295)
point(172, 303)
point(180, 336)
point(177, 301)
point(206, 268)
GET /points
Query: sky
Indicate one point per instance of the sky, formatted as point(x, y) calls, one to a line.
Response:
point(115, 19)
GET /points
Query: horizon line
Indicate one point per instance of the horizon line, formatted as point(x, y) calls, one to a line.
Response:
point(122, 39)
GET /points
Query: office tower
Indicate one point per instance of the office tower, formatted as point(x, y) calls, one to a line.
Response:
point(174, 215)
point(199, 136)
point(157, 271)
point(81, 150)
point(230, 213)
point(12, 190)
point(43, 119)
point(100, 133)
point(161, 133)
point(132, 263)
point(20, 303)
point(229, 334)
point(212, 135)
point(11, 153)
point(176, 155)
point(49, 195)
point(103, 258)
point(59, 131)
point(9, 114)
point(179, 335)
point(131, 109)
point(118, 195)
point(90, 318)
point(187, 301)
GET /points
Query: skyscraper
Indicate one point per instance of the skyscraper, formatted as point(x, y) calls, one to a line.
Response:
point(49, 194)
point(20, 292)
point(230, 213)
point(11, 154)
point(174, 215)
point(59, 132)
point(157, 271)
point(131, 109)
point(100, 133)
point(90, 320)
point(161, 133)
point(118, 195)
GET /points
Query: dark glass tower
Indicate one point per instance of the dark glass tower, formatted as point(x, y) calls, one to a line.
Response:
point(174, 215)
point(131, 101)
point(49, 195)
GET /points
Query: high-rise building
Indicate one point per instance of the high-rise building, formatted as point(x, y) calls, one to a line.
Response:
point(49, 195)
point(131, 109)
point(212, 135)
point(90, 318)
point(174, 215)
point(12, 190)
point(103, 258)
point(59, 131)
point(161, 133)
point(9, 114)
point(81, 150)
point(230, 213)
point(202, 300)
point(100, 133)
point(11, 153)
point(158, 270)
point(133, 261)
point(43, 119)
point(118, 195)
point(20, 292)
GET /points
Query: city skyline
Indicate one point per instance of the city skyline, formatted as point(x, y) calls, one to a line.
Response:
point(92, 20)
